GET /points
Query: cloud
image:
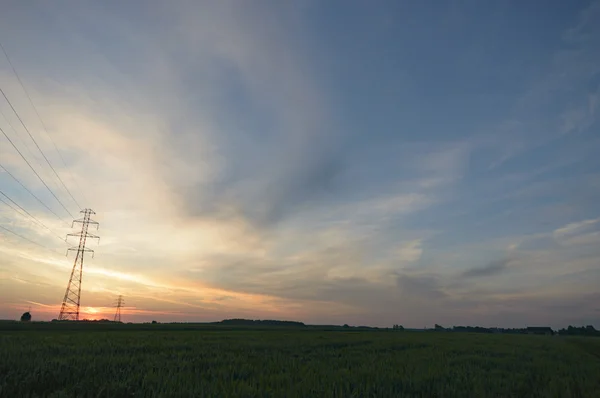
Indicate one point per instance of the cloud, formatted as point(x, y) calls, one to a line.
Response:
point(578, 233)
point(584, 239)
point(410, 252)
point(276, 136)
point(421, 286)
point(493, 268)
point(576, 227)
point(448, 163)
point(558, 101)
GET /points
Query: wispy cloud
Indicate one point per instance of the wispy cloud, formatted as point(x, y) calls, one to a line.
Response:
point(492, 268)
point(574, 228)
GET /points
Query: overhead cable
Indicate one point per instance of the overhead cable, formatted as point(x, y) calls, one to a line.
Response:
point(47, 133)
point(27, 239)
point(32, 194)
point(35, 172)
point(22, 210)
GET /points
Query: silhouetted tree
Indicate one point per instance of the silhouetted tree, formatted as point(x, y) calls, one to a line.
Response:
point(579, 331)
point(26, 317)
point(476, 329)
point(266, 322)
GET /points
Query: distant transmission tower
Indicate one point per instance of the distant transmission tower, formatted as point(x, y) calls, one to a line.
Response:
point(70, 305)
point(120, 303)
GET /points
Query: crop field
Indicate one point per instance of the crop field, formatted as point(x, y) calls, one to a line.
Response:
point(209, 362)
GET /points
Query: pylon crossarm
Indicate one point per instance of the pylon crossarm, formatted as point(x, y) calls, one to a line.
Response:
point(80, 250)
point(86, 235)
point(89, 222)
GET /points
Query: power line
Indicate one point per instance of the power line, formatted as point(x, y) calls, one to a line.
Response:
point(26, 212)
point(11, 206)
point(27, 239)
point(31, 193)
point(22, 141)
point(20, 138)
point(38, 147)
point(47, 133)
point(31, 167)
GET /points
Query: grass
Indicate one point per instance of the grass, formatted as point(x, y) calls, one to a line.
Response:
point(210, 362)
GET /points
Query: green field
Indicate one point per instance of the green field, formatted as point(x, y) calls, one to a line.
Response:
point(57, 361)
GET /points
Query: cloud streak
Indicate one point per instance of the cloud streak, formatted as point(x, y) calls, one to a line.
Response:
point(493, 268)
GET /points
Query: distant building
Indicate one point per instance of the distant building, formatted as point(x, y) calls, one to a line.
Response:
point(539, 330)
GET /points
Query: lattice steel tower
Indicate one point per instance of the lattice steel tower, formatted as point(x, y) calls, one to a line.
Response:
point(70, 305)
point(120, 303)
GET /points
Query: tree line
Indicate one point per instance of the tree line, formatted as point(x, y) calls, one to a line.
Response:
point(588, 330)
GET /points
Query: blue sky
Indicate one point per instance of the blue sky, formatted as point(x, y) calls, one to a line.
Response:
point(328, 162)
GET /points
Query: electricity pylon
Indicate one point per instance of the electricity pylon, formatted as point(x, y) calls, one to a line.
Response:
point(70, 305)
point(120, 303)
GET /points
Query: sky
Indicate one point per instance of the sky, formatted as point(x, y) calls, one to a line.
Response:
point(368, 163)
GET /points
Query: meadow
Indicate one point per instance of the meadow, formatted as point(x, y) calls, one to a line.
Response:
point(96, 361)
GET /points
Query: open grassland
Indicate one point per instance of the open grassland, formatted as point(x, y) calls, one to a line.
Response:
point(210, 362)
